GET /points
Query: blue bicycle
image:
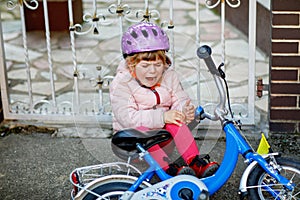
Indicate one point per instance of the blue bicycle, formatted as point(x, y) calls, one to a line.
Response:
point(268, 176)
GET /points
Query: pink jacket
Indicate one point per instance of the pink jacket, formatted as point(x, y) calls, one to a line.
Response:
point(134, 106)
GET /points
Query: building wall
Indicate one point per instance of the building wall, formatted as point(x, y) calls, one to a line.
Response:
point(278, 35)
point(285, 66)
point(239, 17)
point(58, 15)
point(1, 109)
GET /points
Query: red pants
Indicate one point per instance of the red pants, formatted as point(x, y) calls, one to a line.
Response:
point(182, 138)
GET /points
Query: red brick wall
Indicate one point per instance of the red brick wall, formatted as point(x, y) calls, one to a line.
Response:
point(285, 66)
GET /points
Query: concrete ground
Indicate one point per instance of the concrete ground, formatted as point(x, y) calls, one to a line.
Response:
point(37, 165)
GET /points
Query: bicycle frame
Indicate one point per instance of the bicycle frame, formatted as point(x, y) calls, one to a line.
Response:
point(235, 145)
point(154, 168)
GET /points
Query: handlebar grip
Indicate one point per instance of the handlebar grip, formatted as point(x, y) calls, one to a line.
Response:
point(204, 52)
point(199, 113)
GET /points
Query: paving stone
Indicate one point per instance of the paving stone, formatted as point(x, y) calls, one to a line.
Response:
point(19, 66)
point(83, 56)
point(10, 36)
point(7, 16)
point(66, 70)
point(237, 92)
point(179, 18)
point(62, 56)
point(47, 75)
point(21, 74)
point(9, 65)
point(31, 38)
point(88, 55)
point(238, 73)
point(208, 92)
point(178, 5)
point(205, 15)
point(110, 61)
point(238, 49)
point(86, 42)
point(110, 45)
point(11, 26)
point(41, 64)
point(106, 33)
point(16, 53)
point(212, 32)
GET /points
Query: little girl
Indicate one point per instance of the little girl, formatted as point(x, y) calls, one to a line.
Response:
point(146, 94)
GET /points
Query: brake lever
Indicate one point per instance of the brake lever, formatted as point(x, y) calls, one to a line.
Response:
point(221, 72)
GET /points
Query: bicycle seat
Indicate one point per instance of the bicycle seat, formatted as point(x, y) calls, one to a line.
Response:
point(124, 142)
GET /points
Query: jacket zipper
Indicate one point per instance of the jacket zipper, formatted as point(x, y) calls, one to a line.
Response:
point(157, 97)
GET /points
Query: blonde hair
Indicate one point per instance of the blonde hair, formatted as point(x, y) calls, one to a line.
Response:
point(134, 59)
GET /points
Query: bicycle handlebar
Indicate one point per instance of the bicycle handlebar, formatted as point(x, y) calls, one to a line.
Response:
point(204, 52)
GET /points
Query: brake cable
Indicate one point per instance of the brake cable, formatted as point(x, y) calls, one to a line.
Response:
point(223, 76)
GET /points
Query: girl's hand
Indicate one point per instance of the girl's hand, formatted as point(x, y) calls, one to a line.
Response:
point(189, 111)
point(174, 117)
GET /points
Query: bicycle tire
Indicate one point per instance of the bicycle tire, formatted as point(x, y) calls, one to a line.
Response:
point(112, 187)
point(109, 191)
point(290, 170)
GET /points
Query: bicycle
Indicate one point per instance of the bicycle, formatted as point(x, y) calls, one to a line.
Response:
point(267, 176)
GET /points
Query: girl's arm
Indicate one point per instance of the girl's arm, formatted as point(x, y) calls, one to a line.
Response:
point(179, 96)
point(180, 100)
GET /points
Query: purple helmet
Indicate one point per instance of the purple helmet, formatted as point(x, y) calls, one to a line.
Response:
point(143, 37)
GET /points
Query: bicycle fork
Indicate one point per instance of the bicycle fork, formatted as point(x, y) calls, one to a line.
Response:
point(270, 169)
point(254, 158)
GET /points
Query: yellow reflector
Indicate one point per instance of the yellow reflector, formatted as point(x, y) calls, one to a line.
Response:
point(263, 147)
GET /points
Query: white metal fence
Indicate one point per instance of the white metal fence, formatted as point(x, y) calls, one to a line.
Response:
point(64, 76)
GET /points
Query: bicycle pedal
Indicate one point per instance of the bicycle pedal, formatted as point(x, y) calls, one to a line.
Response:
point(210, 170)
point(185, 170)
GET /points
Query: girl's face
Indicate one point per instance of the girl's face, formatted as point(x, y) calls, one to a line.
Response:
point(149, 73)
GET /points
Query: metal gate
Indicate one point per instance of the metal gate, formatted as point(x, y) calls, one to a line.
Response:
point(64, 76)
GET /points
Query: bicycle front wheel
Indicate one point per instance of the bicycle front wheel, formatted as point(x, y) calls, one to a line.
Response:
point(264, 187)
